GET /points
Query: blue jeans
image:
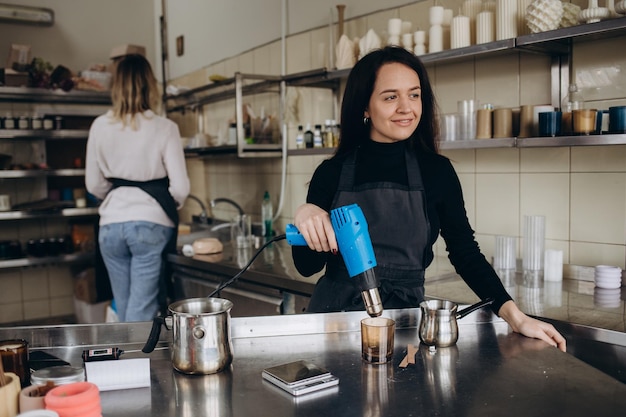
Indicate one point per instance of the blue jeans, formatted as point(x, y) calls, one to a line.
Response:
point(132, 253)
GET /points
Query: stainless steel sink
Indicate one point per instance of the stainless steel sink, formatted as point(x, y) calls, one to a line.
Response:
point(219, 229)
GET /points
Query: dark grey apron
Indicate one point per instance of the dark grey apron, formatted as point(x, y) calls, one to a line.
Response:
point(399, 230)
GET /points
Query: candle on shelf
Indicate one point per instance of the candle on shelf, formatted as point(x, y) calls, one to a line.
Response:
point(460, 32)
point(394, 27)
point(485, 27)
point(435, 34)
point(419, 37)
point(470, 9)
point(435, 39)
point(407, 41)
point(448, 14)
point(506, 19)
point(435, 14)
point(522, 27)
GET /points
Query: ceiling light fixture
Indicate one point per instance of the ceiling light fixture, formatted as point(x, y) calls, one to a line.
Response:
point(13, 13)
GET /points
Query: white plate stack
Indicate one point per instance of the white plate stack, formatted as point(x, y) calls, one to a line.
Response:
point(608, 277)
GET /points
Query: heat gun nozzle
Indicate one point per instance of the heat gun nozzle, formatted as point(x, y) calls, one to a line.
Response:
point(373, 304)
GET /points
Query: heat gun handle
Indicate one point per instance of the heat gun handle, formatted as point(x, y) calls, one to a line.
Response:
point(293, 236)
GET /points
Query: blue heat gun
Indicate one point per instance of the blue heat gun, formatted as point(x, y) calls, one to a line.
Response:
point(356, 248)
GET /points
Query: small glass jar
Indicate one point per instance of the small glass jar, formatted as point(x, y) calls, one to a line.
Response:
point(58, 375)
point(23, 123)
point(36, 122)
point(48, 123)
point(9, 122)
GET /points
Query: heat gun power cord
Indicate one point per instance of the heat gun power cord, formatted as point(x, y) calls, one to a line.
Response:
point(245, 268)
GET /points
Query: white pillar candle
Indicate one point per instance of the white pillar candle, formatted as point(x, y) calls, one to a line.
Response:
point(448, 14)
point(522, 27)
point(460, 32)
point(485, 27)
point(506, 19)
point(419, 37)
point(407, 41)
point(419, 49)
point(435, 39)
point(470, 9)
point(435, 14)
point(394, 27)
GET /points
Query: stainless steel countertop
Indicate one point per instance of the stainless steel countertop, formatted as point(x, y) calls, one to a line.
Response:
point(490, 371)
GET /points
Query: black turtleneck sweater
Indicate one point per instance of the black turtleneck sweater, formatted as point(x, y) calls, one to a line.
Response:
point(377, 162)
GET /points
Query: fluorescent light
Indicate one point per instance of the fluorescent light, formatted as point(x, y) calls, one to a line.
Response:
point(12, 13)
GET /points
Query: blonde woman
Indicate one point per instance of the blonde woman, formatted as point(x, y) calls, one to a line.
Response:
point(135, 164)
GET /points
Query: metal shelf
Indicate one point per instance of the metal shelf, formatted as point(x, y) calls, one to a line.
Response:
point(558, 41)
point(558, 141)
point(478, 143)
point(67, 212)
point(42, 95)
point(222, 90)
point(43, 134)
point(586, 140)
point(19, 173)
point(32, 261)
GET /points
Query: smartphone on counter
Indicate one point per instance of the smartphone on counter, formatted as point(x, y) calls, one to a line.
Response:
point(300, 377)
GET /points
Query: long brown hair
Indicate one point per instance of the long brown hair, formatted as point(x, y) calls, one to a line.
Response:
point(359, 88)
point(134, 89)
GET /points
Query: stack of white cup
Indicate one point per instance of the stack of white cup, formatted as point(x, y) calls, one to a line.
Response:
point(608, 277)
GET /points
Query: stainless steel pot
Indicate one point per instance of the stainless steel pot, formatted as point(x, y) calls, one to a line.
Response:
point(201, 342)
point(438, 325)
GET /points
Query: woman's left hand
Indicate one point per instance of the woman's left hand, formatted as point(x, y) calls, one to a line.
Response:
point(530, 327)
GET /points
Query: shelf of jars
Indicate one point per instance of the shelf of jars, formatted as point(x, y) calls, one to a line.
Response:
point(43, 134)
point(38, 173)
point(556, 141)
point(42, 95)
point(63, 212)
point(46, 260)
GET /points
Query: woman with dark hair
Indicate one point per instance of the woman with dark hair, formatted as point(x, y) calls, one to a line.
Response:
point(388, 163)
point(136, 165)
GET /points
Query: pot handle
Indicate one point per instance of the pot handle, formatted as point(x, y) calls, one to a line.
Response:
point(473, 308)
point(155, 333)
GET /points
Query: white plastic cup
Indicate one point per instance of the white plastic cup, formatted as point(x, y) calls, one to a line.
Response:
point(553, 265)
point(534, 243)
point(505, 253)
point(241, 231)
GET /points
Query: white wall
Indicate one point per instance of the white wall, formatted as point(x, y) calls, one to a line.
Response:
point(216, 29)
point(84, 31)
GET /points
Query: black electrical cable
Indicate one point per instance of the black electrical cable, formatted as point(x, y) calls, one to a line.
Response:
point(245, 268)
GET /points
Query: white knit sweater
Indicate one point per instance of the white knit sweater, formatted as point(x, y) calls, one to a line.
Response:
point(152, 151)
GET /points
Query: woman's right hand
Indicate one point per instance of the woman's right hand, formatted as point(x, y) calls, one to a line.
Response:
point(315, 226)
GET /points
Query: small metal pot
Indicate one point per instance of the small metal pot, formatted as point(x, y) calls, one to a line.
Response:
point(438, 325)
point(201, 342)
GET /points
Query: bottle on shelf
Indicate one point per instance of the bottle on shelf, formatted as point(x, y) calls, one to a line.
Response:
point(267, 214)
point(300, 138)
point(308, 136)
point(328, 141)
point(574, 100)
point(317, 137)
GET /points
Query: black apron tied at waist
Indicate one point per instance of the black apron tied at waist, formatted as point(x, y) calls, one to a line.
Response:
point(159, 190)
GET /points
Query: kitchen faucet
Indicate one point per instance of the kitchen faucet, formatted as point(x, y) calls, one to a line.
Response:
point(229, 201)
point(203, 218)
